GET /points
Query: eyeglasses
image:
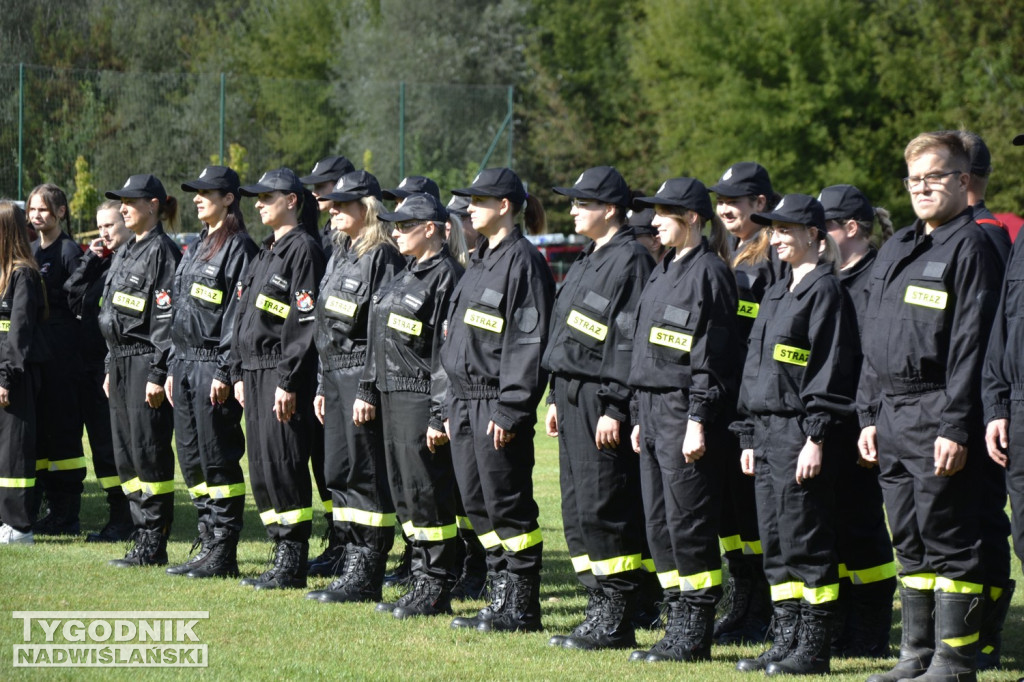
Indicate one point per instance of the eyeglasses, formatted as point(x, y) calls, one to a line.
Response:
point(585, 203)
point(409, 226)
point(927, 181)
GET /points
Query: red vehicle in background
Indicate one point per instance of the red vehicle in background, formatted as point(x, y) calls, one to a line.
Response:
point(559, 250)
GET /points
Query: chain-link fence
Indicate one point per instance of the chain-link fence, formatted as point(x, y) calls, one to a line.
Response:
point(172, 125)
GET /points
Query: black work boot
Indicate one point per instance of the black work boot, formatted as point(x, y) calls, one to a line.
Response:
point(62, 519)
point(222, 560)
point(993, 615)
point(647, 613)
point(119, 526)
point(431, 597)
point(361, 578)
point(196, 560)
point(957, 622)
point(747, 604)
point(330, 561)
point(595, 605)
point(290, 558)
point(813, 652)
point(403, 572)
point(917, 645)
point(498, 589)
point(688, 637)
point(472, 581)
point(785, 626)
point(613, 627)
point(521, 610)
point(149, 548)
point(867, 621)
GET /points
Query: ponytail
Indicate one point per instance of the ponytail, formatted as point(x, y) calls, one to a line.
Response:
point(308, 212)
point(534, 219)
point(457, 240)
point(168, 212)
point(754, 252)
point(884, 220)
point(830, 251)
point(718, 238)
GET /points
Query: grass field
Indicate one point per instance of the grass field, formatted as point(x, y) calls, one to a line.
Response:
point(282, 636)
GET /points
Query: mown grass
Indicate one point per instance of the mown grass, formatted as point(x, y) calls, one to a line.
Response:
point(282, 636)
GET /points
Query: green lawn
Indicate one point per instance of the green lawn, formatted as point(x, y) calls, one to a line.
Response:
point(281, 635)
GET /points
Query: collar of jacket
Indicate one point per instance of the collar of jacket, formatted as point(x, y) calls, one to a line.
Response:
point(865, 263)
point(942, 233)
point(598, 257)
point(136, 244)
point(668, 260)
point(490, 257)
point(820, 270)
point(430, 263)
point(290, 236)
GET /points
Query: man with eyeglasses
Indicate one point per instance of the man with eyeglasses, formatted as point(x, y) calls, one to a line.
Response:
point(933, 295)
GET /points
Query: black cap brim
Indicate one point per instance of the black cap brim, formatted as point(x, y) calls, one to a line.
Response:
point(128, 194)
point(317, 179)
point(1019, 140)
point(342, 196)
point(395, 194)
point(201, 185)
point(257, 189)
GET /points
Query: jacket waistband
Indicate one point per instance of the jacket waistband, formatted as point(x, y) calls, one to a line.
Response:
point(901, 387)
point(473, 391)
point(131, 350)
point(343, 360)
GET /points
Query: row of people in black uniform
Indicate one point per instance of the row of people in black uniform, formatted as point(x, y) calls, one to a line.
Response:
point(626, 342)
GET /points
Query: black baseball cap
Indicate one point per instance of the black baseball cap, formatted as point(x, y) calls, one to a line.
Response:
point(641, 220)
point(795, 208)
point(977, 150)
point(688, 193)
point(143, 186)
point(846, 201)
point(601, 183)
point(277, 180)
point(328, 169)
point(413, 184)
point(459, 206)
point(1019, 140)
point(743, 179)
point(417, 207)
point(496, 182)
point(353, 187)
point(214, 177)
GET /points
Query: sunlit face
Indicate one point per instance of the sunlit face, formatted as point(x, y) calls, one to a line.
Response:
point(589, 217)
point(140, 215)
point(320, 189)
point(111, 227)
point(672, 232)
point(793, 241)
point(349, 217)
point(42, 218)
point(414, 237)
point(485, 213)
point(938, 201)
point(276, 208)
point(212, 206)
point(735, 213)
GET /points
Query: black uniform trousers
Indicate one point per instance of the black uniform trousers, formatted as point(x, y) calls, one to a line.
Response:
point(355, 466)
point(210, 445)
point(1015, 476)
point(316, 463)
point(142, 442)
point(60, 459)
point(279, 456)
point(18, 454)
point(797, 521)
point(995, 526)
point(96, 417)
point(422, 483)
point(682, 501)
point(934, 519)
point(496, 487)
point(738, 529)
point(602, 507)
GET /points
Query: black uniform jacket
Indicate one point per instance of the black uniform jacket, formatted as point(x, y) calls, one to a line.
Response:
point(274, 324)
point(84, 292)
point(407, 331)
point(802, 356)
point(137, 301)
point(22, 309)
point(993, 229)
point(857, 281)
point(206, 301)
point(594, 319)
point(751, 283)
point(686, 335)
point(498, 327)
point(56, 263)
point(1003, 372)
point(343, 312)
point(933, 298)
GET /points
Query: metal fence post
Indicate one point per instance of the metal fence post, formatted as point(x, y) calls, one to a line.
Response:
point(401, 129)
point(511, 124)
point(21, 127)
point(223, 160)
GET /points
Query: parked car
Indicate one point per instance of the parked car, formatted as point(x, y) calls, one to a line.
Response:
point(559, 250)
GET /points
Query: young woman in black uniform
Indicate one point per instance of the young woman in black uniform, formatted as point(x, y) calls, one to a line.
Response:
point(207, 418)
point(354, 466)
point(799, 382)
point(22, 350)
point(136, 321)
point(273, 353)
point(683, 372)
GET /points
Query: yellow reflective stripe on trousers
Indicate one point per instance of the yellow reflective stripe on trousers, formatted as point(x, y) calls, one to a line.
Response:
point(668, 579)
point(995, 593)
point(700, 581)
point(364, 518)
point(42, 464)
point(268, 517)
point(489, 540)
point(198, 490)
point(619, 564)
point(734, 543)
point(793, 590)
point(463, 522)
point(132, 485)
point(821, 595)
point(156, 487)
point(223, 492)
point(863, 576)
point(109, 482)
point(17, 482)
point(67, 464)
point(962, 641)
point(294, 516)
point(919, 581)
point(957, 586)
point(433, 534)
point(520, 542)
point(581, 564)
point(648, 565)
point(328, 506)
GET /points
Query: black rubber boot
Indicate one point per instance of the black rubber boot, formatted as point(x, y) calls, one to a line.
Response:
point(119, 527)
point(813, 652)
point(957, 623)
point(521, 610)
point(747, 604)
point(361, 578)
point(613, 628)
point(196, 560)
point(330, 561)
point(403, 572)
point(472, 581)
point(222, 561)
point(918, 642)
point(289, 570)
point(498, 589)
point(430, 597)
point(62, 519)
point(595, 605)
point(993, 615)
point(149, 548)
point(688, 638)
point(785, 627)
point(867, 620)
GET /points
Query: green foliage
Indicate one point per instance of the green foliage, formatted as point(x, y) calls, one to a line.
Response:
point(86, 198)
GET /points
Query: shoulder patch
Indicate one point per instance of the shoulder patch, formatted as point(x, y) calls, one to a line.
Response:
point(163, 299)
point(304, 301)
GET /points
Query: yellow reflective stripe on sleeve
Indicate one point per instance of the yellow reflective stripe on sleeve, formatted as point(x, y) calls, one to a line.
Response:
point(670, 339)
point(489, 540)
point(17, 482)
point(268, 517)
point(463, 522)
point(214, 296)
point(475, 318)
point(821, 595)
point(619, 564)
point(272, 306)
point(748, 309)
point(67, 464)
point(962, 641)
point(668, 579)
point(223, 492)
point(132, 485)
point(793, 590)
point(581, 564)
point(328, 506)
point(107, 482)
point(648, 565)
point(957, 586)
point(5, 325)
point(927, 298)
point(591, 328)
point(700, 581)
point(406, 325)
point(156, 487)
point(364, 518)
point(863, 576)
point(429, 534)
point(919, 581)
point(42, 464)
point(521, 542)
point(791, 355)
point(198, 490)
point(123, 300)
point(294, 516)
point(341, 306)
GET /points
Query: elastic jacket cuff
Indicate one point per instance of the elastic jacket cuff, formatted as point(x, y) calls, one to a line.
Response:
point(954, 433)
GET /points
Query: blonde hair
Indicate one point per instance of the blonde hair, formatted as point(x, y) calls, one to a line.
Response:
point(830, 252)
point(457, 240)
point(948, 140)
point(374, 230)
point(15, 251)
point(754, 251)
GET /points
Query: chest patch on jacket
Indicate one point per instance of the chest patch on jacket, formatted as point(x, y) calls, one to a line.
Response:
point(791, 355)
point(927, 298)
point(491, 323)
point(214, 296)
point(748, 309)
point(341, 306)
point(582, 323)
point(405, 325)
point(670, 339)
